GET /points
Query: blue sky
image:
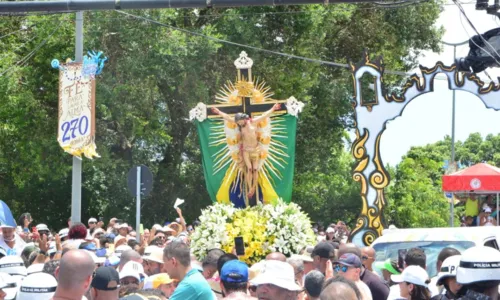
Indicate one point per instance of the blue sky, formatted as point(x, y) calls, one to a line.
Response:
point(427, 119)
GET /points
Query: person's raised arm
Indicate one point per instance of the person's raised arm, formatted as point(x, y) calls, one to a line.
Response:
point(268, 113)
point(225, 116)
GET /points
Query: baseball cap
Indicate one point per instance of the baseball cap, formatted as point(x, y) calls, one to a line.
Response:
point(160, 279)
point(42, 227)
point(63, 232)
point(13, 265)
point(448, 268)
point(277, 273)
point(412, 274)
point(34, 268)
point(234, 271)
point(92, 220)
point(133, 269)
point(156, 255)
point(350, 260)
point(38, 286)
point(478, 264)
point(9, 285)
point(324, 250)
point(391, 265)
point(487, 209)
point(106, 279)
point(330, 230)
point(88, 247)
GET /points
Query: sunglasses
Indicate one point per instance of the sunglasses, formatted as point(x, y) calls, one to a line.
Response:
point(92, 222)
point(161, 237)
point(253, 288)
point(366, 257)
point(128, 282)
point(344, 269)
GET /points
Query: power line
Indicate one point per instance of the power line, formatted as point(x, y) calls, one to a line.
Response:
point(318, 61)
point(22, 61)
point(477, 32)
point(13, 32)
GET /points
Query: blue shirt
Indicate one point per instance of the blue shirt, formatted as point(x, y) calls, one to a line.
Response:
point(193, 287)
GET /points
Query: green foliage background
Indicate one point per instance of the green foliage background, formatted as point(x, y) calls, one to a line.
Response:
point(155, 75)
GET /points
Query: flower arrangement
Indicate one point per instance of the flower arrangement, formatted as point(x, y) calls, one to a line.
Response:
point(265, 228)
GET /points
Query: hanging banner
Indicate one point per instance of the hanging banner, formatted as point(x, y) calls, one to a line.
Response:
point(76, 132)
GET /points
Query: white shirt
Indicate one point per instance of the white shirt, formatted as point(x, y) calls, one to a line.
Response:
point(366, 294)
point(395, 292)
point(19, 246)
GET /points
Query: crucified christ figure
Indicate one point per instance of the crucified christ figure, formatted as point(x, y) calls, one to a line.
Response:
point(249, 148)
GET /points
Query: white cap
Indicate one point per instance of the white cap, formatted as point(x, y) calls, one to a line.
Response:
point(155, 255)
point(94, 220)
point(122, 248)
point(157, 227)
point(42, 227)
point(448, 268)
point(330, 230)
point(7, 226)
point(63, 232)
point(487, 209)
point(124, 225)
point(9, 285)
point(38, 286)
point(133, 269)
point(35, 268)
point(277, 273)
point(478, 264)
point(98, 230)
point(412, 274)
point(13, 265)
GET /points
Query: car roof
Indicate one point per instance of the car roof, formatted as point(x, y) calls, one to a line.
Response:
point(474, 234)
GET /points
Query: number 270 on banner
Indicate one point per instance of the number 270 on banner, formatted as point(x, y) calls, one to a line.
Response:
point(76, 132)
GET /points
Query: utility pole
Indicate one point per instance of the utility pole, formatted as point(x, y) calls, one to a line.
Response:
point(452, 163)
point(76, 186)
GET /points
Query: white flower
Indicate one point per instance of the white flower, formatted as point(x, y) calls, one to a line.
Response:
point(199, 112)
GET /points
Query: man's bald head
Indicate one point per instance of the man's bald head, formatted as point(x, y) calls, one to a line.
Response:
point(368, 251)
point(349, 248)
point(75, 268)
point(129, 255)
point(276, 256)
point(339, 288)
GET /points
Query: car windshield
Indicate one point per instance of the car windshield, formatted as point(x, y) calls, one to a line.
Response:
point(431, 249)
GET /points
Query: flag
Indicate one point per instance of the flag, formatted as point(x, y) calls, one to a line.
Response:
point(219, 143)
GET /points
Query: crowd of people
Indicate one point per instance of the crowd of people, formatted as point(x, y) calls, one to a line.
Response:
point(480, 210)
point(98, 262)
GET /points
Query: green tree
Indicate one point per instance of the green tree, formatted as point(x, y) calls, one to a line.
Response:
point(155, 74)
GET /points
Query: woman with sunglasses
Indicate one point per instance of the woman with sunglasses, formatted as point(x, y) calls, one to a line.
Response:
point(413, 283)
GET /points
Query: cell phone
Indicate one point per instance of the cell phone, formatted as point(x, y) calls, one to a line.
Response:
point(118, 221)
point(239, 245)
point(401, 258)
point(101, 219)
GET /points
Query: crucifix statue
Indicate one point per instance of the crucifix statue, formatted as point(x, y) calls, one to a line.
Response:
point(247, 141)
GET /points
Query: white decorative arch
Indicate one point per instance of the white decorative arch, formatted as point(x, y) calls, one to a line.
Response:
point(371, 118)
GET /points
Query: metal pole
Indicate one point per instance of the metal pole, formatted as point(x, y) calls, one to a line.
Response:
point(452, 163)
point(452, 203)
point(12, 7)
point(76, 186)
point(138, 208)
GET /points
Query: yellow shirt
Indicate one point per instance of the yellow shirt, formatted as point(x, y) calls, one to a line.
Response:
point(471, 208)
